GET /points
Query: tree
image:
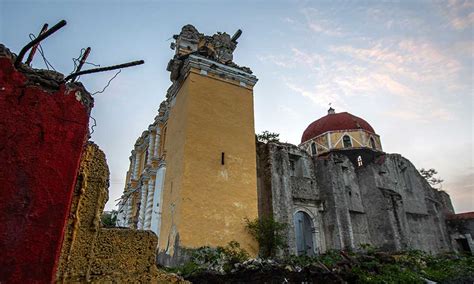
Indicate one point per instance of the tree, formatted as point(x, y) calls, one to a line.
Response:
point(429, 175)
point(109, 218)
point(268, 233)
point(267, 136)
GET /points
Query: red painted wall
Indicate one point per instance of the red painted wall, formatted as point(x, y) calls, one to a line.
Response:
point(41, 140)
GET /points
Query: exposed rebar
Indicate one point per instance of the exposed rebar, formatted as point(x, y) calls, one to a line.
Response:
point(37, 40)
point(236, 36)
point(102, 69)
point(33, 50)
point(83, 60)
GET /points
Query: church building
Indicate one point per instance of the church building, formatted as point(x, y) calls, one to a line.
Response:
point(197, 173)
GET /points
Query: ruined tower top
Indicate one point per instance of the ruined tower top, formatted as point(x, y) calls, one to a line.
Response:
point(218, 48)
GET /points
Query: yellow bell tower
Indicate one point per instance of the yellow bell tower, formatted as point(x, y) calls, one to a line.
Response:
point(208, 146)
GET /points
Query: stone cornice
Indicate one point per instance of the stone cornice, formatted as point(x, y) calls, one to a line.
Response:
point(210, 67)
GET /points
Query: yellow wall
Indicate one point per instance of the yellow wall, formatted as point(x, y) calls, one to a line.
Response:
point(210, 200)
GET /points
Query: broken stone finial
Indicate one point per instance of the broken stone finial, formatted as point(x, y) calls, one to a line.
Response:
point(218, 47)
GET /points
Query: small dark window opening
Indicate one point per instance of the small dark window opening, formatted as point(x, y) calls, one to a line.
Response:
point(222, 158)
point(292, 166)
point(372, 143)
point(313, 149)
point(346, 140)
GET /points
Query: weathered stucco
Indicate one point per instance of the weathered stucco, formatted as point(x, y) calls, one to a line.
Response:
point(43, 126)
point(200, 185)
point(95, 254)
point(207, 197)
point(385, 202)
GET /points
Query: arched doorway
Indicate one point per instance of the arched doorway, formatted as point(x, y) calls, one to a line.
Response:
point(304, 234)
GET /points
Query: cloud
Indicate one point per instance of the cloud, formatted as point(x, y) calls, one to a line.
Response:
point(321, 94)
point(407, 69)
point(461, 190)
point(459, 13)
point(279, 60)
point(318, 22)
point(288, 112)
point(288, 20)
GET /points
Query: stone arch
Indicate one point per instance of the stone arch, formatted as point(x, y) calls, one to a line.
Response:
point(314, 237)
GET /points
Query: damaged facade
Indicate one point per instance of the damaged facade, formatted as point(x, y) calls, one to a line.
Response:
point(192, 173)
point(350, 196)
point(194, 176)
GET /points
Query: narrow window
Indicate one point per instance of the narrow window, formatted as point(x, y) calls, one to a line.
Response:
point(346, 140)
point(372, 143)
point(313, 149)
point(292, 166)
point(359, 161)
point(222, 158)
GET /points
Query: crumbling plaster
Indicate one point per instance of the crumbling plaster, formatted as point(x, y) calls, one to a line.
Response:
point(43, 125)
point(94, 254)
point(385, 202)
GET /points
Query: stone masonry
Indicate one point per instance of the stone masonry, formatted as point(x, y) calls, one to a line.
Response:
point(384, 203)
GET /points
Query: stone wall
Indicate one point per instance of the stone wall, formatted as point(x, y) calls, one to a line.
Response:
point(43, 126)
point(461, 229)
point(385, 202)
point(92, 253)
point(286, 183)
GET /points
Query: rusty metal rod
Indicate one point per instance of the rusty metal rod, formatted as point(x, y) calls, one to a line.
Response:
point(33, 50)
point(83, 60)
point(37, 40)
point(236, 36)
point(102, 69)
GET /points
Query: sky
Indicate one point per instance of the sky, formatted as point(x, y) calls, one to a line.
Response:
point(404, 66)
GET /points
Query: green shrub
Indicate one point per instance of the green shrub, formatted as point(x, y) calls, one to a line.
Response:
point(269, 235)
point(444, 268)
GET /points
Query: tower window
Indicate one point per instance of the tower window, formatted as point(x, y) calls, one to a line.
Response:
point(346, 140)
point(222, 158)
point(313, 149)
point(372, 143)
point(359, 161)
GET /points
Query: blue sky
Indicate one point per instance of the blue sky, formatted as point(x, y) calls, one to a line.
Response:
point(404, 66)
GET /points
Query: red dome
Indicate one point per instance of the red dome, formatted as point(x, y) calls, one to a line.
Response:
point(335, 121)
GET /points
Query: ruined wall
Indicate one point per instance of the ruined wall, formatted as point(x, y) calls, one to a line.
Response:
point(461, 230)
point(92, 253)
point(345, 223)
point(83, 225)
point(43, 126)
point(389, 203)
point(286, 185)
point(123, 255)
point(385, 202)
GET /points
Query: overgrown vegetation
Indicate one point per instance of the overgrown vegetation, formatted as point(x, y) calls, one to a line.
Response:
point(231, 264)
point(268, 233)
point(218, 260)
point(430, 176)
point(267, 136)
point(109, 219)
